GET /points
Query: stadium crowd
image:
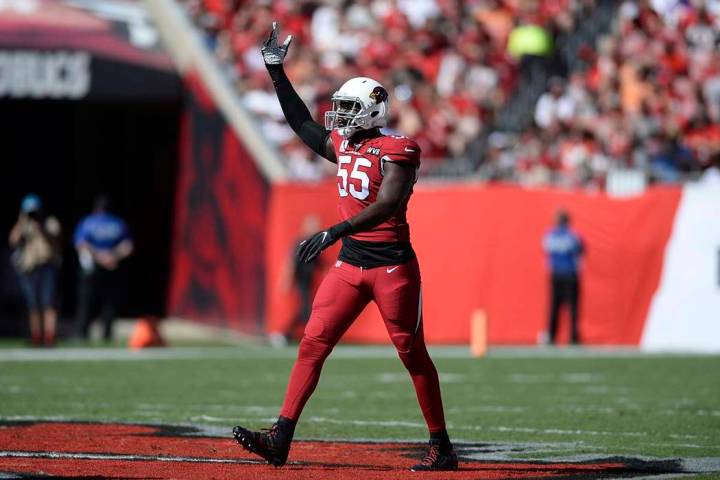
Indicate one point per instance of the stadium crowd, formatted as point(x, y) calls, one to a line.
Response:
point(648, 98)
point(445, 62)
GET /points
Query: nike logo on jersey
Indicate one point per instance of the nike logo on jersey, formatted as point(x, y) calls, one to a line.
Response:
point(390, 270)
point(409, 149)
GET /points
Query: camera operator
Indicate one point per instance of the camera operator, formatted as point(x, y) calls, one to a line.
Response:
point(35, 240)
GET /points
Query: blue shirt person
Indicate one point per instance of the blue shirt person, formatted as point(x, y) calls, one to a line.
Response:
point(563, 248)
point(102, 241)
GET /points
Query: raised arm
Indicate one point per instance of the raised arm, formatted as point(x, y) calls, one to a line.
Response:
point(297, 114)
point(395, 187)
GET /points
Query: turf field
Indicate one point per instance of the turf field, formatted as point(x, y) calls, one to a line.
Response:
point(525, 405)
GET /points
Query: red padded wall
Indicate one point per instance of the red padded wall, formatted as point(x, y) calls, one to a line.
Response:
point(480, 248)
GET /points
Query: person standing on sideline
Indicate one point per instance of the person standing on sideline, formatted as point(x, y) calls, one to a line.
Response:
point(102, 241)
point(35, 240)
point(298, 276)
point(564, 248)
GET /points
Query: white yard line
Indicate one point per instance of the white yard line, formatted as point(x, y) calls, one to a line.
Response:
point(394, 423)
point(244, 352)
point(119, 456)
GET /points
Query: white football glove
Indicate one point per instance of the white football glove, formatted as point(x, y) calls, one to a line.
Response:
point(271, 52)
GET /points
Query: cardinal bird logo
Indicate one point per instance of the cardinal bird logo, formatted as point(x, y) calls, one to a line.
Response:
point(379, 94)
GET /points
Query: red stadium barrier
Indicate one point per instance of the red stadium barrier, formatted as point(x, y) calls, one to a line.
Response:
point(218, 249)
point(480, 248)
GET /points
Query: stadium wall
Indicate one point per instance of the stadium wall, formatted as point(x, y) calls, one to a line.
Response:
point(218, 271)
point(480, 248)
point(218, 251)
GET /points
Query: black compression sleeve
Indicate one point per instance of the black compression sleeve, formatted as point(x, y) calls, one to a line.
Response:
point(297, 114)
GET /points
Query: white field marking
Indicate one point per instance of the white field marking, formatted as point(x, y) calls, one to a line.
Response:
point(530, 377)
point(586, 409)
point(453, 378)
point(160, 408)
point(559, 431)
point(49, 418)
point(596, 389)
point(112, 456)
point(688, 436)
point(149, 413)
point(210, 418)
point(554, 431)
point(487, 408)
point(699, 413)
point(341, 351)
point(404, 377)
point(574, 377)
point(226, 420)
point(387, 395)
point(255, 409)
point(374, 423)
point(113, 354)
point(388, 377)
point(684, 445)
point(154, 406)
point(581, 377)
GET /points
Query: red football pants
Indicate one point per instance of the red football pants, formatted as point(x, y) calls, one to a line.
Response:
point(343, 294)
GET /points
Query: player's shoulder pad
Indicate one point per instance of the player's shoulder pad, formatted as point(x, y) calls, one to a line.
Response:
point(400, 149)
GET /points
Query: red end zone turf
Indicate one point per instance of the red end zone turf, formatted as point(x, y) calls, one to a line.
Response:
point(140, 451)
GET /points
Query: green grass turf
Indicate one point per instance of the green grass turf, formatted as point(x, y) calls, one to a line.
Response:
point(578, 404)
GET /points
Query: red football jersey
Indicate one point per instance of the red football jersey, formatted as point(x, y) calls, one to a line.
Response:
point(360, 173)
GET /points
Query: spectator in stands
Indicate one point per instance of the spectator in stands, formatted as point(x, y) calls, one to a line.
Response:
point(103, 242)
point(672, 158)
point(554, 106)
point(563, 248)
point(451, 76)
point(35, 240)
point(657, 70)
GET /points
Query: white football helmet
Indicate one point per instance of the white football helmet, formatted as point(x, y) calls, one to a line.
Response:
point(360, 104)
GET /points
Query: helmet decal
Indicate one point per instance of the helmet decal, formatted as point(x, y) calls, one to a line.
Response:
point(360, 103)
point(379, 94)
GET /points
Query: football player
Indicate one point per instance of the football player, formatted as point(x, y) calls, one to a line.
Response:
point(375, 177)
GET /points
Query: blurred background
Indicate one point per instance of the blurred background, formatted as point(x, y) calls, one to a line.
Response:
point(607, 111)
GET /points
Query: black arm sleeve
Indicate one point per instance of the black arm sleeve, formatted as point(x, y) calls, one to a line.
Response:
point(297, 114)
